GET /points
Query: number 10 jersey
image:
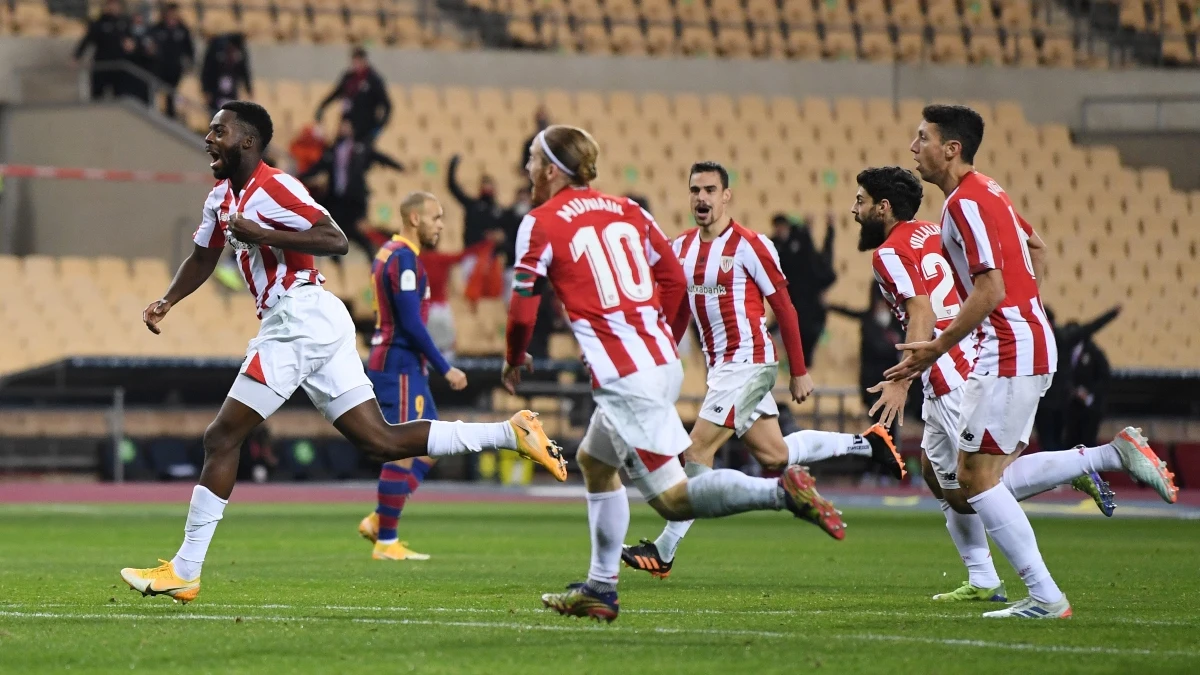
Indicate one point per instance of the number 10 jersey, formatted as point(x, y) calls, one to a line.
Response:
point(911, 263)
point(597, 251)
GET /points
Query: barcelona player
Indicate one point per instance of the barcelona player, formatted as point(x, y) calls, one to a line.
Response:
point(402, 352)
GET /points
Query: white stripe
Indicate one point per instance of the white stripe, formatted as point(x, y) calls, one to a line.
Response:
point(953, 244)
point(593, 350)
point(978, 231)
point(575, 628)
point(945, 366)
point(651, 319)
point(1023, 337)
point(1051, 345)
point(899, 276)
point(633, 343)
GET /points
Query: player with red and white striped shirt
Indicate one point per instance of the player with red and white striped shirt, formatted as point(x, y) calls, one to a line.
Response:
point(917, 283)
point(733, 274)
point(623, 291)
point(306, 340)
point(997, 258)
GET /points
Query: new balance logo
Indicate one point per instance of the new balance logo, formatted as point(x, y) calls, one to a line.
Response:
point(968, 436)
point(950, 476)
point(718, 409)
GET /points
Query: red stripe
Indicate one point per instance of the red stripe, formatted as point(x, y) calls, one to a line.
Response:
point(1041, 355)
point(729, 419)
point(244, 258)
point(755, 315)
point(112, 175)
point(1007, 343)
point(295, 261)
point(652, 460)
point(989, 446)
point(254, 369)
point(733, 333)
point(634, 318)
point(700, 301)
point(290, 202)
point(271, 266)
point(403, 398)
point(615, 348)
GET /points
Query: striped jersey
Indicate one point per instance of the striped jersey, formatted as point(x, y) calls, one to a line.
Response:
point(274, 200)
point(597, 252)
point(908, 264)
point(402, 293)
point(981, 231)
point(728, 278)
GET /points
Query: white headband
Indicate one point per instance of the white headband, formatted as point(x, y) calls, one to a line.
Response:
point(541, 137)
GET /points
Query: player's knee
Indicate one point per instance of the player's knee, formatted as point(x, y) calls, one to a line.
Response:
point(673, 504)
point(930, 476)
point(597, 476)
point(220, 439)
point(957, 499)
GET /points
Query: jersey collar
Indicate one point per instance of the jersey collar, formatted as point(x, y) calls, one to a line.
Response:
point(415, 247)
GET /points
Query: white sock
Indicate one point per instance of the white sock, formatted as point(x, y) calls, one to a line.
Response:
point(1009, 527)
point(668, 542)
point(966, 529)
point(608, 521)
point(807, 446)
point(725, 492)
point(204, 513)
point(460, 438)
point(1033, 474)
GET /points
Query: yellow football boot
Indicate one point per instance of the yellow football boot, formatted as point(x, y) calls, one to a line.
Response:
point(534, 444)
point(397, 550)
point(369, 527)
point(162, 580)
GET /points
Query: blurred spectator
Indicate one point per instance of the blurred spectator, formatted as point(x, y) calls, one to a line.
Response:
point(1062, 395)
point(438, 268)
point(541, 120)
point(307, 148)
point(176, 51)
point(1090, 375)
point(142, 53)
point(346, 162)
point(257, 456)
point(364, 96)
point(551, 319)
point(809, 272)
point(641, 200)
point(481, 213)
point(513, 215)
point(107, 36)
point(881, 332)
point(226, 70)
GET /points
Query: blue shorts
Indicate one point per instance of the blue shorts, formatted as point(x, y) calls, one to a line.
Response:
point(403, 397)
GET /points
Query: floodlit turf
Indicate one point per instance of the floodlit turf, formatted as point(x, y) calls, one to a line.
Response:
point(293, 589)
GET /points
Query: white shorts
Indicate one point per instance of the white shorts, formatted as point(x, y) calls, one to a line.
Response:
point(940, 441)
point(996, 414)
point(306, 340)
point(635, 427)
point(738, 394)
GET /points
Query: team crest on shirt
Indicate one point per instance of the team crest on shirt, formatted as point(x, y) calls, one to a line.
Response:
point(726, 263)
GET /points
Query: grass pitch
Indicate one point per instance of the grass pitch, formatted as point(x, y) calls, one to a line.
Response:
point(293, 590)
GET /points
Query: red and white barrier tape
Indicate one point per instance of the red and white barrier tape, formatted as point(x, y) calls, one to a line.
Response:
point(117, 175)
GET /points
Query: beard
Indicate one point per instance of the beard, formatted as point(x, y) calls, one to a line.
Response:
point(230, 162)
point(871, 234)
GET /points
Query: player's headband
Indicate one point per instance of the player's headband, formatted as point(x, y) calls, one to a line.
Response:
point(541, 137)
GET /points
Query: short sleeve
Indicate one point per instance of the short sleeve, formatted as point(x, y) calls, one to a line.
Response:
point(289, 206)
point(763, 266)
point(211, 233)
point(977, 227)
point(897, 274)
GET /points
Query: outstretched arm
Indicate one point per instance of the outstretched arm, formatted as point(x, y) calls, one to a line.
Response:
point(982, 301)
point(191, 274)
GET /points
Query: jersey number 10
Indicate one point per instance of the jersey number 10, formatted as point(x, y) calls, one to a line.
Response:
point(624, 247)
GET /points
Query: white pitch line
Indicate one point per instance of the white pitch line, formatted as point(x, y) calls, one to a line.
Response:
point(669, 611)
point(865, 637)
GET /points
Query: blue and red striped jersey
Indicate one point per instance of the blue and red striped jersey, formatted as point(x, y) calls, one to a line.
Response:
point(401, 342)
